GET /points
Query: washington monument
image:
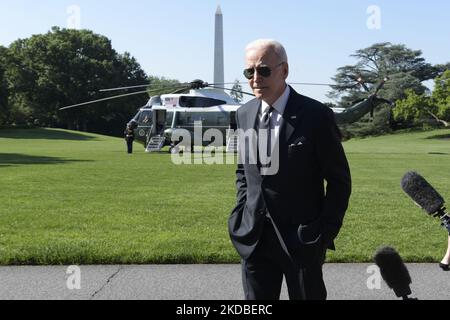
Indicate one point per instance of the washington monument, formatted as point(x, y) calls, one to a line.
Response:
point(219, 68)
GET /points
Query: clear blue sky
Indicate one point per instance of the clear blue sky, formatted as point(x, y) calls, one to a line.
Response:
point(175, 38)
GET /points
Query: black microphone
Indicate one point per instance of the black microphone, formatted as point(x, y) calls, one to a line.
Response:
point(425, 196)
point(394, 272)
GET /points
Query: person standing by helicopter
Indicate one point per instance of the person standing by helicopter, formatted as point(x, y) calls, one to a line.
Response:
point(129, 138)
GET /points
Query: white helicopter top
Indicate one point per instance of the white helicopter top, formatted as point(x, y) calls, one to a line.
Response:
point(177, 102)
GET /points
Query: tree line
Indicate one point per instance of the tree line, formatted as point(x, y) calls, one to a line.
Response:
point(45, 72)
point(406, 70)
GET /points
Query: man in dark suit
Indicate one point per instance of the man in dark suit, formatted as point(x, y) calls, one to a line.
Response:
point(285, 220)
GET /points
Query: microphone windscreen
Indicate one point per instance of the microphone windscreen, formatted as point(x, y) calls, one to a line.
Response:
point(422, 192)
point(393, 271)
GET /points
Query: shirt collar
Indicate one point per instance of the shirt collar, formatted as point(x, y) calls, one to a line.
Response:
point(281, 102)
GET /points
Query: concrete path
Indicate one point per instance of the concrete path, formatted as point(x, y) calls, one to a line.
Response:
point(199, 282)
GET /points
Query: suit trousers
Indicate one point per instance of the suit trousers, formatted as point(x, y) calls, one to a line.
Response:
point(262, 272)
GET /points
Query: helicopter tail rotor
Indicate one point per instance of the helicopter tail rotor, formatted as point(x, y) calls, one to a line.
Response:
point(381, 85)
point(361, 81)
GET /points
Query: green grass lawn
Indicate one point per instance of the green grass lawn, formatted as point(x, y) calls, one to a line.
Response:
point(73, 198)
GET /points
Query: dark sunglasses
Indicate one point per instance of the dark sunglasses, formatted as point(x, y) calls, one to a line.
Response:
point(264, 71)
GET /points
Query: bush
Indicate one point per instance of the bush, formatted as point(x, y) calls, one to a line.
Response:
point(379, 125)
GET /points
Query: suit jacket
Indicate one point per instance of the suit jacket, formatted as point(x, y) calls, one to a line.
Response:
point(310, 153)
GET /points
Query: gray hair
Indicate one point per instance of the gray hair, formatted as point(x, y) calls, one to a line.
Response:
point(269, 43)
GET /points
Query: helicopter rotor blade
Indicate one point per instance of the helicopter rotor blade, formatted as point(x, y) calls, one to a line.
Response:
point(209, 85)
point(104, 99)
point(124, 88)
point(381, 85)
point(232, 90)
point(311, 84)
point(160, 88)
point(179, 85)
point(363, 83)
point(180, 90)
point(222, 84)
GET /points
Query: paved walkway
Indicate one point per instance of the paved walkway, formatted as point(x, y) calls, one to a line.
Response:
point(199, 282)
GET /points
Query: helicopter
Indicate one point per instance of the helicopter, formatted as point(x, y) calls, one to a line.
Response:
point(198, 106)
point(363, 106)
point(190, 110)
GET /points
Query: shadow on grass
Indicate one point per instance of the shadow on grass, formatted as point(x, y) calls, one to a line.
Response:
point(439, 137)
point(13, 159)
point(44, 134)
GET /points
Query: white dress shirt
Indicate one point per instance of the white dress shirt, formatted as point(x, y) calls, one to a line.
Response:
point(276, 119)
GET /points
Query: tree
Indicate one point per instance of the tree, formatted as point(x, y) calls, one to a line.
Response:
point(236, 92)
point(405, 68)
point(416, 108)
point(65, 67)
point(441, 96)
point(442, 68)
point(162, 85)
point(413, 108)
point(380, 124)
point(4, 110)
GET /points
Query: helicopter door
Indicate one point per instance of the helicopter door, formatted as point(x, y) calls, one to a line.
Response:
point(233, 124)
point(159, 122)
point(156, 139)
point(232, 137)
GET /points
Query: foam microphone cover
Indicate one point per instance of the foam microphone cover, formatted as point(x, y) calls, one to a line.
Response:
point(393, 271)
point(422, 192)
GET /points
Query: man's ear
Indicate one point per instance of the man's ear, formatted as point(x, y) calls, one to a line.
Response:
point(285, 71)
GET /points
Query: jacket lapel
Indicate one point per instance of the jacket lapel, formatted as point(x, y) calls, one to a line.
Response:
point(252, 114)
point(291, 116)
point(248, 122)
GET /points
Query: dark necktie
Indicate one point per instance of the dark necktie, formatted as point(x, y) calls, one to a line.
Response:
point(265, 125)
